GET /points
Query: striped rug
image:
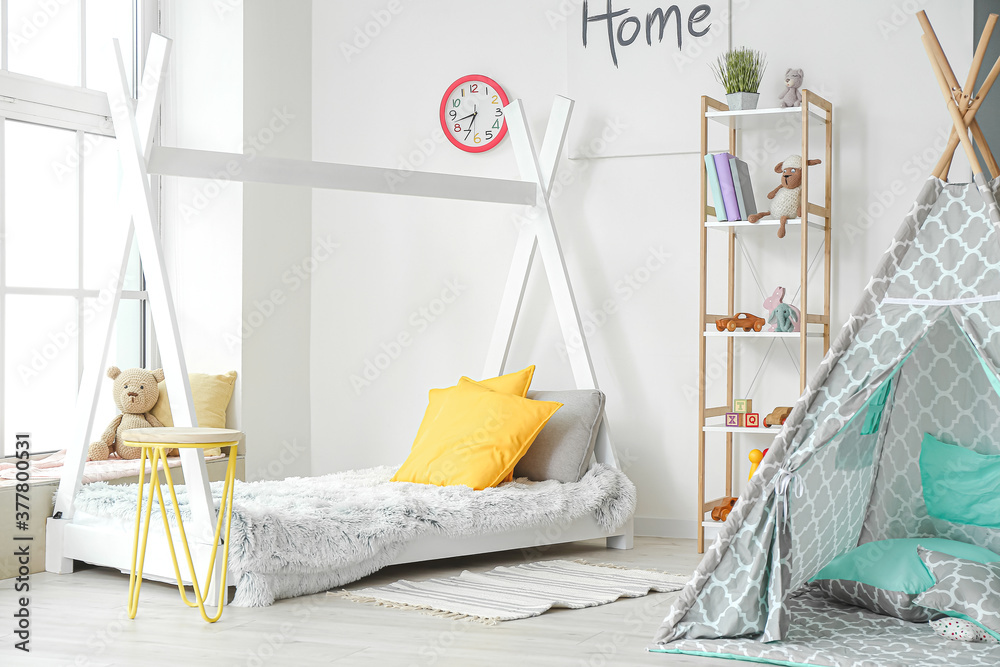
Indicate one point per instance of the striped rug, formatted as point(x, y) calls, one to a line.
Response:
point(521, 591)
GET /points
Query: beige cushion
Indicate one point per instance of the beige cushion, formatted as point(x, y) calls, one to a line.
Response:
point(211, 394)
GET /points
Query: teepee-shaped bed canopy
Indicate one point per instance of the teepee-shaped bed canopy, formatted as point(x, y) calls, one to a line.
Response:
point(134, 125)
point(919, 355)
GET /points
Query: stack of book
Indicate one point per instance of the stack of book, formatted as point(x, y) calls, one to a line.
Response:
point(729, 183)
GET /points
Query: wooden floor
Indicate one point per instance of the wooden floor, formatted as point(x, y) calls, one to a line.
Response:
point(80, 619)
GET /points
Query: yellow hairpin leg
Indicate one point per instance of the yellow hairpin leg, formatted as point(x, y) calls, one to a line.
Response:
point(135, 578)
point(225, 509)
point(158, 453)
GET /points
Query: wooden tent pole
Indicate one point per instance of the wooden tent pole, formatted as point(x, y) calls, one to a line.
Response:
point(977, 59)
point(943, 165)
point(953, 89)
point(968, 96)
point(956, 115)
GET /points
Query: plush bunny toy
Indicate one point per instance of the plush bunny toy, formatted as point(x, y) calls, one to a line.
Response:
point(135, 392)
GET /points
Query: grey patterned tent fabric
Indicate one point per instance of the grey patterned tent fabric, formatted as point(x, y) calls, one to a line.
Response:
point(928, 324)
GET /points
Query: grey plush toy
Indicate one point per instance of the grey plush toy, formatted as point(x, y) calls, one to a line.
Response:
point(793, 81)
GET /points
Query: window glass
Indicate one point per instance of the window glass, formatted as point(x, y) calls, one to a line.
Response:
point(103, 226)
point(42, 206)
point(63, 227)
point(108, 19)
point(43, 39)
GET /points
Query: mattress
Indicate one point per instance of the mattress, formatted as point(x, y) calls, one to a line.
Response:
point(305, 535)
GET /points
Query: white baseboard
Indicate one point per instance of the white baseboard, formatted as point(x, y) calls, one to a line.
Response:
point(647, 526)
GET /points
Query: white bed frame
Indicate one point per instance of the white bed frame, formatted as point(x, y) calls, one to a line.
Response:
point(134, 125)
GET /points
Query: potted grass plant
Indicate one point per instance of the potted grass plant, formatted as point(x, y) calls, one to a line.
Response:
point(740, 72)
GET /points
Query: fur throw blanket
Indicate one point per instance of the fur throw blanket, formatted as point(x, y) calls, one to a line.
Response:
point(304, 535)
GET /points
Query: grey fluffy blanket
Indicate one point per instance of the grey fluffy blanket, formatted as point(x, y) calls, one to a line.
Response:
point(305, 535)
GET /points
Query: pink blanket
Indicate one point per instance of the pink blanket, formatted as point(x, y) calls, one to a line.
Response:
point(93, 471)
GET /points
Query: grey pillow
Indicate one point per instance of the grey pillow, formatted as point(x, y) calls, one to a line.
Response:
point(963, 587)
point(563, 449)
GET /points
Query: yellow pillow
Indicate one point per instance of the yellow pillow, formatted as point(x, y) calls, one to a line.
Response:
point(211, 394)
point(512, 383)
point(477, 439)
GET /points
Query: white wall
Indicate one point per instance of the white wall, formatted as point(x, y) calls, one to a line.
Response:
point(378, 105)
point(202, 220)
point(241, 82)
point(373, 267)
point(277, 121)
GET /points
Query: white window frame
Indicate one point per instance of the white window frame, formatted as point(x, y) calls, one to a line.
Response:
point(47, 103)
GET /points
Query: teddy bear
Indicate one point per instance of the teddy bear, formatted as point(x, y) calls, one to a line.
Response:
point(793, 81)
point(787, 197)
point(135, 393)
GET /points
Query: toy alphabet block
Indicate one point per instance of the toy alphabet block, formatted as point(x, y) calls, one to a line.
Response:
point(734, 419)
point(752, 420)
point(743, 405)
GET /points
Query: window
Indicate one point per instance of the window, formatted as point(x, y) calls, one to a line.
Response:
point(60, 239)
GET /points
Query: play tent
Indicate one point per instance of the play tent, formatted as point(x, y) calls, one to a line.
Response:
point(920, 354)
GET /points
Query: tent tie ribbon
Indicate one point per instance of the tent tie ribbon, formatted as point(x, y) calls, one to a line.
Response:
point(782, 486)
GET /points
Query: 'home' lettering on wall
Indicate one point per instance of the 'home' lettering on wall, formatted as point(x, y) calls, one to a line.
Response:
point(629, 28)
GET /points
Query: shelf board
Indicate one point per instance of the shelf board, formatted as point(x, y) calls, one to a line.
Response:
point(738, 225)
point(739, 333)
point(742, 429)
point(713, 524)
point(763, 119)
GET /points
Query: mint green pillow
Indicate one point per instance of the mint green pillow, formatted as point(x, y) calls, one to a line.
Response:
point(960, 485)
point(886, 576)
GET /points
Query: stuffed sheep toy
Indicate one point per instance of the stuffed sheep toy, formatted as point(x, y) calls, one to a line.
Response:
point(135, 393)
point(787, 197)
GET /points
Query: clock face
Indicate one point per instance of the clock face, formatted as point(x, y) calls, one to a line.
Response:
point(472, 113)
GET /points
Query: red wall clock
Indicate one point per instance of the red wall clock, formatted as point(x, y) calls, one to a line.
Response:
point(472, 113)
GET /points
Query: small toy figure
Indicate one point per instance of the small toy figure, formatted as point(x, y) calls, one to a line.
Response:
point(787, 197)
point(135, 392)
point(773, 303)
point(756, 456)
point(777, 417)
point(721, 513)
point(745, 321)
point(793, 81)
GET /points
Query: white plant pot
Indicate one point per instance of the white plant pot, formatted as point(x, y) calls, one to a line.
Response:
point(742, 101)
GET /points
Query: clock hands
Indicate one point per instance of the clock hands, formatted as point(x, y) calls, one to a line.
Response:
point(472, 123)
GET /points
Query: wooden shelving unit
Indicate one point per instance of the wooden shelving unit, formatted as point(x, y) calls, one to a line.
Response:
point(814, 110)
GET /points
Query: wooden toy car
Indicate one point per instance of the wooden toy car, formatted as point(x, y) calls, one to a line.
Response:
point(777, 417)
point(721, 513)
point(746, 321)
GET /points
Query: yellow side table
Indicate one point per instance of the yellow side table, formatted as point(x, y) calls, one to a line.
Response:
point(155, 443)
